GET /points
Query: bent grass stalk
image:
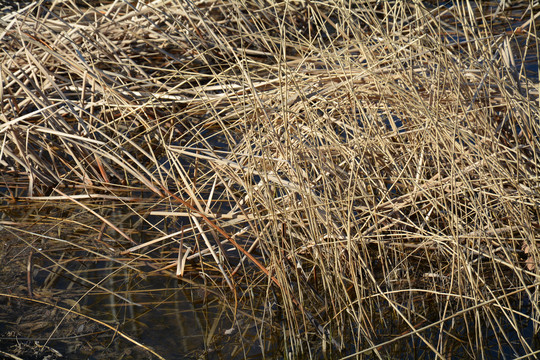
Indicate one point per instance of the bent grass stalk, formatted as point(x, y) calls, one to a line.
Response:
point(364, 157)
point(72, 311)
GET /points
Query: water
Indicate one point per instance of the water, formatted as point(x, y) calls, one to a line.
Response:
point(198, 317)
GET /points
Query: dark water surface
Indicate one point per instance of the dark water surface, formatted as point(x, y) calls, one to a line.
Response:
point(193, 320)
point(75, 263)
point(177, 319)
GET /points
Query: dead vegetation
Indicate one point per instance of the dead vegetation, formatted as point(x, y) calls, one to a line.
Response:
point(369, 160)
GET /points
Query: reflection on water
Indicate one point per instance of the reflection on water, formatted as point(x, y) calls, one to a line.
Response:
point(191, 318)
point(179, 320)
point(199, 317)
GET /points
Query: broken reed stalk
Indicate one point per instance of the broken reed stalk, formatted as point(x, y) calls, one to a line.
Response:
point(368, 150)
point(256, 262)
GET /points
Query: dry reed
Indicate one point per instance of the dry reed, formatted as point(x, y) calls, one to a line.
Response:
point(370, 160)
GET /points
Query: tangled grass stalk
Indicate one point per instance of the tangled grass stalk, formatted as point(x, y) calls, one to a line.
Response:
point(375, 161)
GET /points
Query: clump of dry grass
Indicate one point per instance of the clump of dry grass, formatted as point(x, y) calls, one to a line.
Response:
point(364, 158)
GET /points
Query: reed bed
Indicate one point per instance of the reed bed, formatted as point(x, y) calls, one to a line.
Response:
point(371, 162)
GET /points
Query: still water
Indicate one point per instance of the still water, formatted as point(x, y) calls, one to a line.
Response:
point(52, 263)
